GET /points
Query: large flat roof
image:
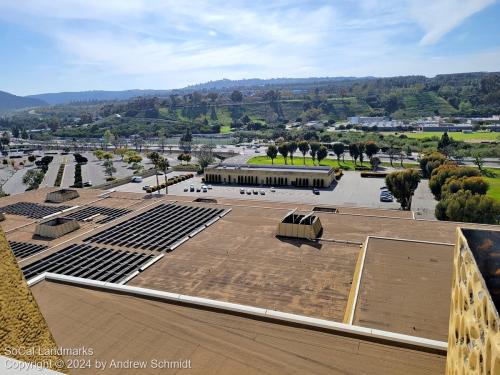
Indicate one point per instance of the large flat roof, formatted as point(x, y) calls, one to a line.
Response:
point(406, 288)
point(122, 327)
point(239, 259)
point(274, 168)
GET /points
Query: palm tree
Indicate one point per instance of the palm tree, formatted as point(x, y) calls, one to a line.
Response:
point(155, 158)
point(321, 153)
point(303, 147)
point(272, 152)
point(283, 150)
point(314, 150)
point(292, 148)
point(163, 165)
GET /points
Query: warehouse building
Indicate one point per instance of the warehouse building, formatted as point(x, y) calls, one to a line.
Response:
point(271, 175)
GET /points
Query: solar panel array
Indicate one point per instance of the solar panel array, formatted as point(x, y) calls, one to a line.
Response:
point(25, 249)
point(158, 228)
point(91, 262)
point(110, 213)
point(32, 210)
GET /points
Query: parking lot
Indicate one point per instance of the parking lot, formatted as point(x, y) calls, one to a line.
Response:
point(352, 190)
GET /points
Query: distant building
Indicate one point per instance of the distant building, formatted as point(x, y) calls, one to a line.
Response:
point(270, 175)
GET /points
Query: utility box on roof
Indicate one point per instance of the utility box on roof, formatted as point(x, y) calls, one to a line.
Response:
point(297, 225)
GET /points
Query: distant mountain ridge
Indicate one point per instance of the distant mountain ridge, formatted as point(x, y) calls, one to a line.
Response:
point(13, 102)
point(94, 95)
point(10, 102)
point(104, 95)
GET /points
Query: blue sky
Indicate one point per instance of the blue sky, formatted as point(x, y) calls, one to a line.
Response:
point(73, 45)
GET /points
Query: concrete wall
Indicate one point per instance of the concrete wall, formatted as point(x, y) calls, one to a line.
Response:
point(474, 337)
point(22, 324)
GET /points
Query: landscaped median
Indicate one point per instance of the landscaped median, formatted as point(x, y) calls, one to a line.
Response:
point(170, 182)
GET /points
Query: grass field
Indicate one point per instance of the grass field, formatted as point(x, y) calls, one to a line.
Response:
point(458, 136)
point(299, 161)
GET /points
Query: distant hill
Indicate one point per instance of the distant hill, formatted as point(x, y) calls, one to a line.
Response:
point(10, 102)
point(259, 83)
point(95, 95)
point(219, 85)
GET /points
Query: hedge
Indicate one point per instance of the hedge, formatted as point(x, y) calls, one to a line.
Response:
point(170, 182)
point(78, 176)
point(60, 173)
point(374, 174)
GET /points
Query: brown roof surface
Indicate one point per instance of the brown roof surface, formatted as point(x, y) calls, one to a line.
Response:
point(406, 288)
point(120, 328)
point(240, 259)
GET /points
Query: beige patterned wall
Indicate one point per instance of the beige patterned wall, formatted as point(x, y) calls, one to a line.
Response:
point(22, 325)
point(474, 337)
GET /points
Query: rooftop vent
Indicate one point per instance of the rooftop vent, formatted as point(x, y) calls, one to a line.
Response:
point(298, 225)
point(205, 200)
point(332, 210)
point(62, 195)
point(57, 227)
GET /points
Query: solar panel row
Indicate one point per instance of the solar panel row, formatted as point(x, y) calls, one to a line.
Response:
point(158, 228)
point(110, 213)
point(25, 249)
point(91, 262)
point(32, 210)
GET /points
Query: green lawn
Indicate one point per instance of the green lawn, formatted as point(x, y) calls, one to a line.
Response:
point(299, 161)
point(225, 129)
point(459, 136)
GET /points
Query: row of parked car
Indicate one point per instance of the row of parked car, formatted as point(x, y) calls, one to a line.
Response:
point(202, 188)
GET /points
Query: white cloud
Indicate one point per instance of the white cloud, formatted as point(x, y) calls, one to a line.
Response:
point(437, 18)
point(164, 43)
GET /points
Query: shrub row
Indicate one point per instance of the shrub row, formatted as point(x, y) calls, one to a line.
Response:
point(59, 176)
point(362, 168)
point(170, 182)
point(374, 174)
point(78, 176)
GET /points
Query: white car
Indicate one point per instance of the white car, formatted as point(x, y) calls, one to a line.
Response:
point(209, 187)
point(272, 190)
point(262, 192)
point(137, 179)
point(242, 191)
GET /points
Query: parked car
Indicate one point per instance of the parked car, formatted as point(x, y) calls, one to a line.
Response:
point(386, 196)
point(186, 189)
point(316, 191)
point(249, 191)
point(87, 184)
point(191, 187)
point(242, 191)
point(209, 187)
point(137, 179)
point(198, 190)
point(273, 190)
point(255, 191)
point(146, 187)
point(204, 189)
point(262, 192)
